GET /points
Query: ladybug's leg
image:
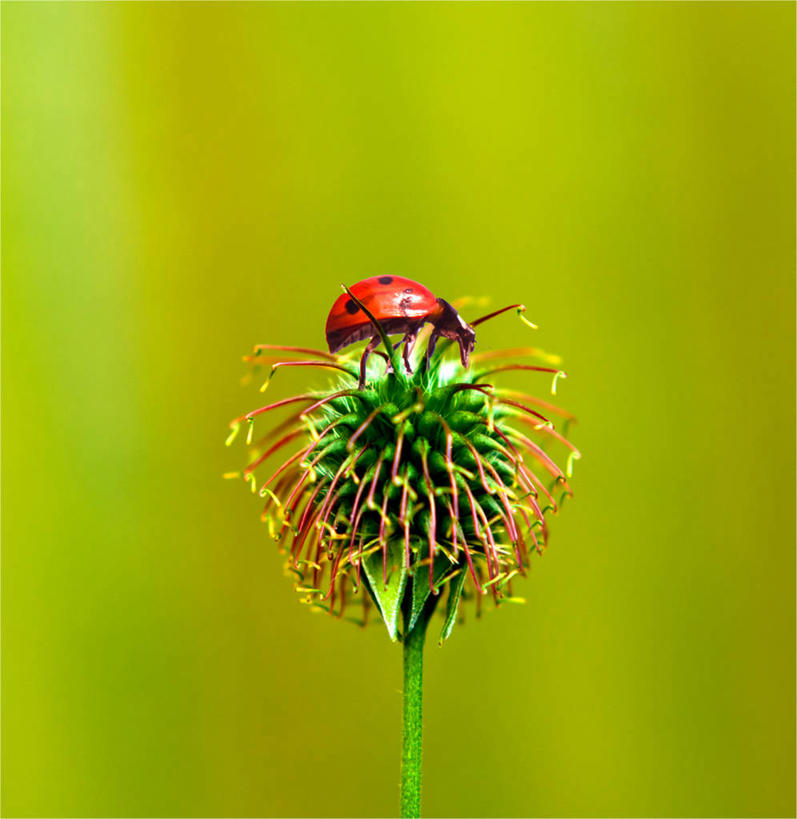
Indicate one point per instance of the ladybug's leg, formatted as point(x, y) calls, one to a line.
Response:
point(409, 343)
point(430, 347)
point(369, 348)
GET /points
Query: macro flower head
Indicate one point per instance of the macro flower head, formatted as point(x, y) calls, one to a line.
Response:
point(412, 481)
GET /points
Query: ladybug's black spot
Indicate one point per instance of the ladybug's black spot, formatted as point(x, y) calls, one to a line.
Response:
point(351, 307)
point(385, 279)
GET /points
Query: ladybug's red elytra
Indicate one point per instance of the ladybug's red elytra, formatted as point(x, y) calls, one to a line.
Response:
point(400, 305)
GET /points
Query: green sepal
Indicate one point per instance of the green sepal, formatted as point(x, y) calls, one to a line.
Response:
point(420, 586)
point(453, 603)
point(387, 597)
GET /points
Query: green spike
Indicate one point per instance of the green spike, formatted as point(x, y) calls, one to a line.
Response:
point(452, 607)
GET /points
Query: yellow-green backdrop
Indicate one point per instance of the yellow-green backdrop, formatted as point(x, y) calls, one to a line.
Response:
point(181, 181)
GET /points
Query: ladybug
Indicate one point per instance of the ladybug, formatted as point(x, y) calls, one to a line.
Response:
point(401, 306)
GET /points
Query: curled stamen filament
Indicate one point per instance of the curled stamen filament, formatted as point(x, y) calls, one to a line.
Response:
point(320, 364)
point(432, 520)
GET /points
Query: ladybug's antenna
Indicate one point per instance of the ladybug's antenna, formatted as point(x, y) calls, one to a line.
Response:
point(521, 308)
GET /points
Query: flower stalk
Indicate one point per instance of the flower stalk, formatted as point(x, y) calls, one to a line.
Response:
point(412, 736)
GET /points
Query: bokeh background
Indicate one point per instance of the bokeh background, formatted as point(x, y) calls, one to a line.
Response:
point(184, 180)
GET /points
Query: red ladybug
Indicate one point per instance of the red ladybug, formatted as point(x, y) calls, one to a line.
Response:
point(401, 306)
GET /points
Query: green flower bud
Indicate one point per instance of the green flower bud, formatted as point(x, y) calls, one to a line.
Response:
point(424, 484)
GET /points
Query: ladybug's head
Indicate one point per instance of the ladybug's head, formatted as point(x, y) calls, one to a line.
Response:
point(449, 324)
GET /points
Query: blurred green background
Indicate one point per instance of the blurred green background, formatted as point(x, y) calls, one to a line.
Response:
point(184, 180)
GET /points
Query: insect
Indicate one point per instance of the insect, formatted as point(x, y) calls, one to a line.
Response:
point(401, 306)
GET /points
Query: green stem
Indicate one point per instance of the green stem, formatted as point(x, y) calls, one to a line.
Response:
point(413, 720)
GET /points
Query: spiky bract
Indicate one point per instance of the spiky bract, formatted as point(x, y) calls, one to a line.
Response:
point(415, 483)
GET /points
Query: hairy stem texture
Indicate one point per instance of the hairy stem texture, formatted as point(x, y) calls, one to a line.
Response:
point(413, 720)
